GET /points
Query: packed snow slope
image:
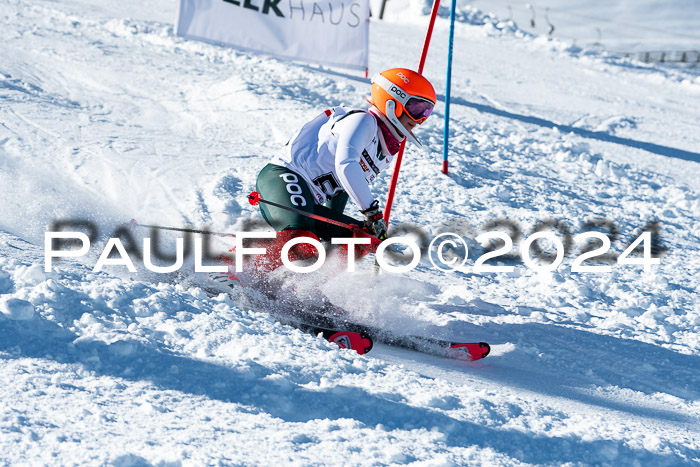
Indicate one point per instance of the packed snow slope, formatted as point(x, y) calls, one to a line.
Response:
point(105, 116)
point(622, 25)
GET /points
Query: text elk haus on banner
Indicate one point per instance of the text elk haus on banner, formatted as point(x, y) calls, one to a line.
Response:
point(329, 32)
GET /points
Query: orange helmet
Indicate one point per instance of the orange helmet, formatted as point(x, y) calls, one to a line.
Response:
point(400, 90)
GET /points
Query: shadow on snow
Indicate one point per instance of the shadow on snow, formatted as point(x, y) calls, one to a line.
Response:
point(293, 403)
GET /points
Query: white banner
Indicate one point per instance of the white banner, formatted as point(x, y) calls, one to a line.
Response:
point(329, 32)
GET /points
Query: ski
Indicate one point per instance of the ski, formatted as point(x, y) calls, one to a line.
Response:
point(357, 340)
point(330, 322)
point(331, 316)
point(468, 351)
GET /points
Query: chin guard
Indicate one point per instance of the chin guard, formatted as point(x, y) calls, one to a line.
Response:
point(391, 115)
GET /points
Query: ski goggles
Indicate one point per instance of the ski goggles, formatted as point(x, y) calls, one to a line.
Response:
point(418, 108)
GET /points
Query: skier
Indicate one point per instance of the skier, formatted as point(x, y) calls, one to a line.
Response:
point(334, 157)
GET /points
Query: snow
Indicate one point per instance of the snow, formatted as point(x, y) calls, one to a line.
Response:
point(623, 26)
point(107, 117)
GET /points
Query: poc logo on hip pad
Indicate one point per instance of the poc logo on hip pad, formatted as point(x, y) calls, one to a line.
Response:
point(294, 189)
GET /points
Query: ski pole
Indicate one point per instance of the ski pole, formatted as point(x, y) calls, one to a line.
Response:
point(254, 198)
point(133, 224)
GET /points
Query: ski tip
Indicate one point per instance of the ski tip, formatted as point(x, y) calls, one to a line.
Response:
point(485, 349)
point(360, 342)
point(475, 351)
point(367, 342)
point(254, 198)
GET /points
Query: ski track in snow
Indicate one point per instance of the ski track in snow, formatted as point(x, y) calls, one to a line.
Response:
point(106, 116)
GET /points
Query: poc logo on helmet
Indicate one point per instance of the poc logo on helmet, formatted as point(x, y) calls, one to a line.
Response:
point(403, 77)
point(398, 92)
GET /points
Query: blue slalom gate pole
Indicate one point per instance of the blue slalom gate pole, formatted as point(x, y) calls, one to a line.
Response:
point(446, 136)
